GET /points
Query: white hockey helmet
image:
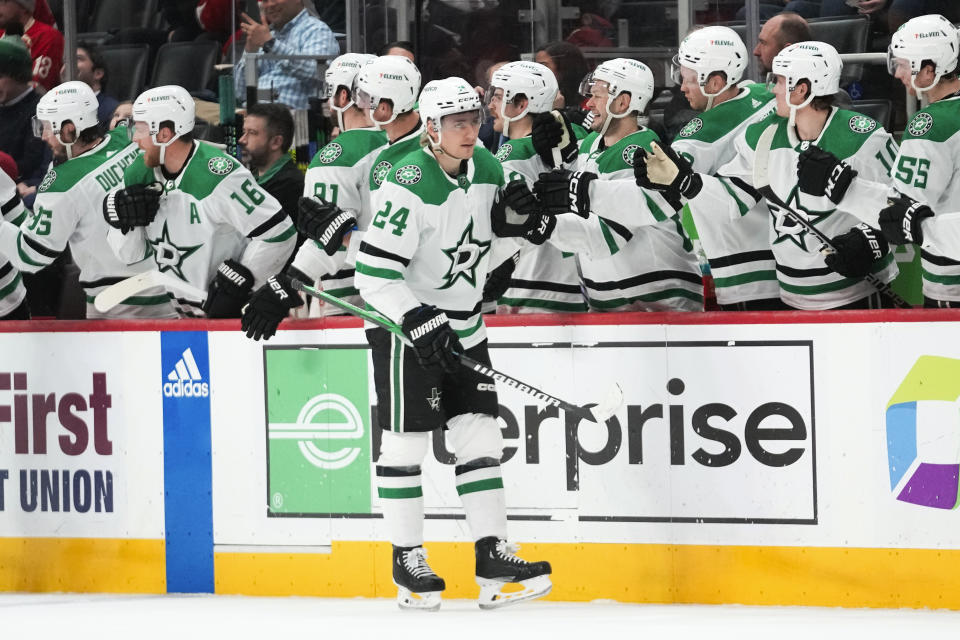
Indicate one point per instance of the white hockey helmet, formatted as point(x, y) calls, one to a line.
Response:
point(711, 50)
point(522, 78)
point(341, 73)
point(932, 38)
point(446, 97)
point(621, 75)
point(816, 62)
point(169, 103)
point(393, 78)
point(72, 102)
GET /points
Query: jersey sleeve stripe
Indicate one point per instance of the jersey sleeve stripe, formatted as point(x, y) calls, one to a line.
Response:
point(27, 259)
point(657, 212)
point(611, 243)
point(377, 272)
point(20, 218)
point(645, 278)
point(10, 288)
point(621, 230)
point(5, 269)
point(740, 258)
point(291, 230)
point(463, 315)
point(741, 205)
point(274, 220)
point(10, 205)
point(39, 248)
point(746, 187)
point(376, 252)
point(466, 333)
point(102, 282)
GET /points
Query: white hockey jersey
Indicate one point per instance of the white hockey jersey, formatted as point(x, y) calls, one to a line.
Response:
point(12, 291)
point(430, 241)
point(68, 209)
point(212, 211)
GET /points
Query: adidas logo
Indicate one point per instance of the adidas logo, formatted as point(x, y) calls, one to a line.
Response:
point(185, 379)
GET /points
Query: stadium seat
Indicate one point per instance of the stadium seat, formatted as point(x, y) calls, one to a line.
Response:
point(847, 35)
point(126, 69)
point(879, 110)
point(109, 16)
point(188, 64)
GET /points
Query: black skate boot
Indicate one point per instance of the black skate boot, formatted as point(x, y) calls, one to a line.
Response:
point(497, 565)
point(418, 587)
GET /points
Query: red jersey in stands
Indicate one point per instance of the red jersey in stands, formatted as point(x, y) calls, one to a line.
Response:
point(46, 49)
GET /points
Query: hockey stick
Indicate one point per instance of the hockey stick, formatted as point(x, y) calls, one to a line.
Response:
point(117, 293)
point(761, 182)
point(599, 413)
point(564, 139)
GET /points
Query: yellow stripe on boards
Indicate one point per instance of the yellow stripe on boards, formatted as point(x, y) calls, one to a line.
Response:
point(86, 565)
point(812, 576)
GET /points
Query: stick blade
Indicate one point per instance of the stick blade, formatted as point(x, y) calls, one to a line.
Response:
point(120, 291)
point(604, 410)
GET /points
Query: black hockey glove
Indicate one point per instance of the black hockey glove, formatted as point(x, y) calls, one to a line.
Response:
point(516, 213)
point(901, 221)
point(578, 116)
point(134, 206)
point(666, 171)
point(324, 222)
point(229, 290)
point(498, 280)
point(268, 306)
point(820, 173)
point(561, 191)
point(856, 251)
point(435, 343)
point(552, 130)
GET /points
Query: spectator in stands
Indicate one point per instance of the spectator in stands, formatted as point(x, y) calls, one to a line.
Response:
point(568, 65)
point(285, 27)
point(92, 69)
point(123, 114)
point(43, 41)
point(777, 33)
point(267, 136)
point(18, 104)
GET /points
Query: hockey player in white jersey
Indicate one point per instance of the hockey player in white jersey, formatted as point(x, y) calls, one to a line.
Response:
point(422, 264)
point(923, 56)
point(13, 295)
point(708, 67)
point(384, 92)
point(539, 277)
point(632, 251)
point(195, 210)
point(807, 77)
point(88, 167)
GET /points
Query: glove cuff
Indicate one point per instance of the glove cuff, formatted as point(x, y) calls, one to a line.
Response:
point(691, 185)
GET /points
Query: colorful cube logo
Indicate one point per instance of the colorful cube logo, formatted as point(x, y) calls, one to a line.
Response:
point(318, 431)
point(933, 383)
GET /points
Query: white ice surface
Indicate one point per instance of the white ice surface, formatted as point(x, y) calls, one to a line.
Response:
point(105, 617)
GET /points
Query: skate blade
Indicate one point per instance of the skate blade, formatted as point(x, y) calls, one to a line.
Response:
point(491, 596)
point(411, 601)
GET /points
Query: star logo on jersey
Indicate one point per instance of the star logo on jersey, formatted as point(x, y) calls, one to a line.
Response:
point(788, 229)
point(220, 166)
point(434, 399)
point(921, 123)
point(504, 152)
point(330, 153)
point(465, 258)
point(862, 124)
point(381, 171)
point(629, 152)
point(691, 128)
point(170, 257)
point(48, 180)
point(409, 174)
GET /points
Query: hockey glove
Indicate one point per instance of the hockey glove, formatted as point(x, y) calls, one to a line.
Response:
point(820, 173)
point(901, 221)
point(666, 171)
point(516, 214)
point(435, 343)
point(577, 116)
point(134, 206)
point(856, 251)
point(229, 290)
point(324, 222)
point(561, 191)
point(552, 130)
point(268, 306)
point(498, 280)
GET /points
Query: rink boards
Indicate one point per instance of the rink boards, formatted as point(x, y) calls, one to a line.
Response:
point(758, 458)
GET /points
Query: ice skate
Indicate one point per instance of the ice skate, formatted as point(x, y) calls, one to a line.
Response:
point(497, 566)
point(418, 587)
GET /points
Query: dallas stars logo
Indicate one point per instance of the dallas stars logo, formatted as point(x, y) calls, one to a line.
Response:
point(409, 174)
point(170, 257)
point(628, 153)
point(220, 166)
point(862, 124)
point(48, 180)
point(691, 128)
point(330, 153)
point(465, 258)
point(434, 399)
point(920, 124)
point(380, 172)
point(504, 152)
point(787, 228)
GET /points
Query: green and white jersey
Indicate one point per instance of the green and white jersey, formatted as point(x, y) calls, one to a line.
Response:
point(805, 280)
point(340, 174)
point(945, 227)
point(928, 169)
point(212, 211)
point(545, 278)
point(633, 254)
point(68, 210)
point(12, 291)
point(738, 249)
point(430, 240)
